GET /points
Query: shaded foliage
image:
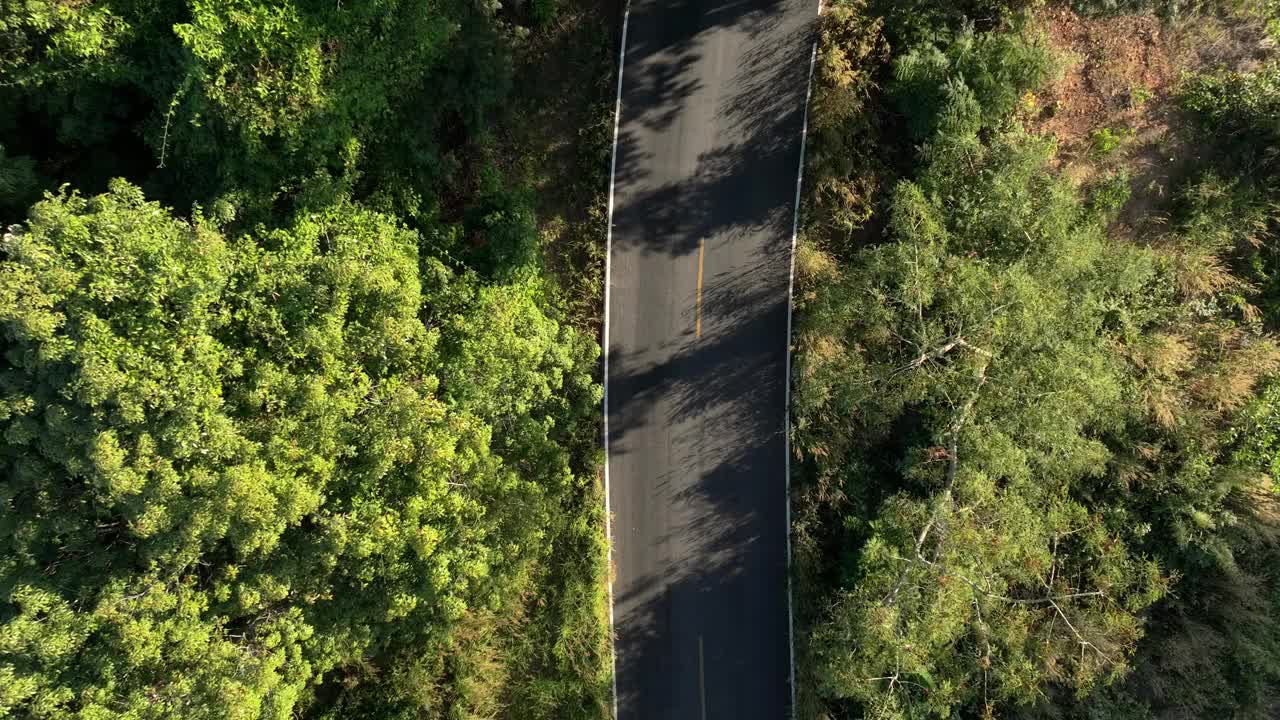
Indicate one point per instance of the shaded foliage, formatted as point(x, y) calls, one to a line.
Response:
point(1035, 476)
point(263, 105)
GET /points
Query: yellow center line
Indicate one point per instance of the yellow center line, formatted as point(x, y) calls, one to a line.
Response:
point(702, 687)
point(697, 323)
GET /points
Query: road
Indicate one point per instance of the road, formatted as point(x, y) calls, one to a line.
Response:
point(704, 185)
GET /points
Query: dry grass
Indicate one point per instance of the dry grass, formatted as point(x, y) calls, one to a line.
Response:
point(814, 266)
point(1164, 355)
point(1228, 385)
point(1201, 272)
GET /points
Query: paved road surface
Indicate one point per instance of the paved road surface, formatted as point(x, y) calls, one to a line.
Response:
point(708, 150)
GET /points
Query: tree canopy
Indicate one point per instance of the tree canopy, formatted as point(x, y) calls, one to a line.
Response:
point(293, 419)
point(234, 463)
point(1035, 453)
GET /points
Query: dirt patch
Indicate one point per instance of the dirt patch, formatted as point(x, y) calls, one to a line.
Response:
point(1113, 110)
point(1117, 68)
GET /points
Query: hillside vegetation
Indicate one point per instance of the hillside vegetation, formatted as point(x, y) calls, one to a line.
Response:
point(298, 403)
point(1035, 382)
point(295, 418)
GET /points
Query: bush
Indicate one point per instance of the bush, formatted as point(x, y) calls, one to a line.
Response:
point(1109, 195)
point(1107, 141)
point(1239, 112)
point(991, 71)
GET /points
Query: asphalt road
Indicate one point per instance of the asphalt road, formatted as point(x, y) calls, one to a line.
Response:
point(704, 185)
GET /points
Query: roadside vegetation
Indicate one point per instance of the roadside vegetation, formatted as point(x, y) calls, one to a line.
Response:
point(1036, 370)
point(298, 406)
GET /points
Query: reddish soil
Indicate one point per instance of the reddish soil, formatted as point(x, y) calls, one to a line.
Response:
point(1117, 68)
point(1120, 76)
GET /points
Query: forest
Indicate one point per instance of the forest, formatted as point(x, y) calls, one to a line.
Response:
point(299, 390)
point(1036, 402)
point(299, 410)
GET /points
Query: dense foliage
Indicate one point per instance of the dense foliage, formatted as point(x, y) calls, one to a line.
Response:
point(253, 102)
point(275, 446)
point(1037, 455)
point(293, 422)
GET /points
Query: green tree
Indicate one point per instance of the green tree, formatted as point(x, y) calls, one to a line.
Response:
point(232, 465)
point(267, 105)
point(42, 40)
point(1019, 419)
point(990, 573)
point(974, 77)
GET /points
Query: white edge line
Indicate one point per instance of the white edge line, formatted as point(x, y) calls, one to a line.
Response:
point(608, 262)
point(786, 413)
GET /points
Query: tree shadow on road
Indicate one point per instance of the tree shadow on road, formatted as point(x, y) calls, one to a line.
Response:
point(725, 542)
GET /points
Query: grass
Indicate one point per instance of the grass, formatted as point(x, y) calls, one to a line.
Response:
point(562, 127)
point(551, 658)
point(561, 661)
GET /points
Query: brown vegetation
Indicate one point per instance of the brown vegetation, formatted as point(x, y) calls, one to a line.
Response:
point(1113, 108)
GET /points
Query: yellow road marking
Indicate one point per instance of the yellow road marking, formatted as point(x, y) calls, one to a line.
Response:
point(697, 323)
point(702, 687)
